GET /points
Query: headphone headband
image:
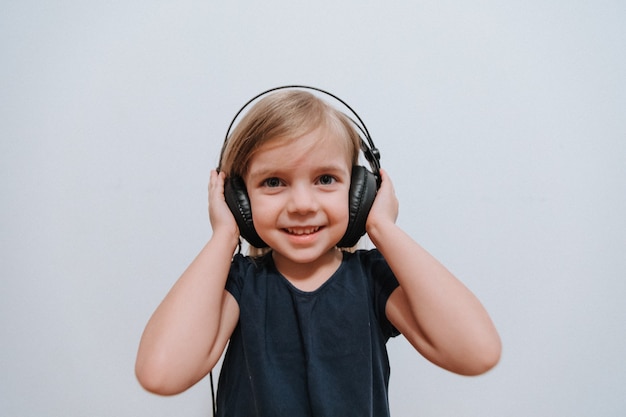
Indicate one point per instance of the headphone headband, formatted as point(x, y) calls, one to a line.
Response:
point(372, 154)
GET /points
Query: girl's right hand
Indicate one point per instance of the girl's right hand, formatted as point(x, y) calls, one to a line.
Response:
point(188, 332)
point(220, 216)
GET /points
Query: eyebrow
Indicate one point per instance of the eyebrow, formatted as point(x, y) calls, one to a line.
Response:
point(273, 171)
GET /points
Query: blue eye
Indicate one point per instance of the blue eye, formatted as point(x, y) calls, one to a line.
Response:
point(272, 182)
point(326, 179)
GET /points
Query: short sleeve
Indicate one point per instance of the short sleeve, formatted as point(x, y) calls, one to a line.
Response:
point(234, 282)
point(383, 282)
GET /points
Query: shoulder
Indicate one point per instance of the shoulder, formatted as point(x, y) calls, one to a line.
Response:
point(243, 269)
point(363, 255)
point(370, 259)
point(249, 264)
point(242, 261)
point(374, 267)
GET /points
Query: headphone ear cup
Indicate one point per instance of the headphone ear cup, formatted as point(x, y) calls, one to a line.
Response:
point(363, 188)
point(237, 199)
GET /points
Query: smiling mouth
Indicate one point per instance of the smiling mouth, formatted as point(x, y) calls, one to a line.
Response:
point(301, 231)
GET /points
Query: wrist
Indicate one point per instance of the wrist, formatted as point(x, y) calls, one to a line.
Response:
point(226, 237)
point(376, 230)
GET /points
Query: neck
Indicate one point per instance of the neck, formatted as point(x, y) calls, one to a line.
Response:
point(311, 275)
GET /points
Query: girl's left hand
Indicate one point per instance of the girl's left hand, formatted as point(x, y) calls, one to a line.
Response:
point(385, 207)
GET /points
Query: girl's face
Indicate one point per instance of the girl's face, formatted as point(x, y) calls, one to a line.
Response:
point(299, 196)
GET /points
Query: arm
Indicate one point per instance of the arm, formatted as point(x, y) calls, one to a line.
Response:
point(438, 315)
point(189, 330)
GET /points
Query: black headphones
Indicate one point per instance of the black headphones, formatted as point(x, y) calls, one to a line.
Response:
point(363, 184)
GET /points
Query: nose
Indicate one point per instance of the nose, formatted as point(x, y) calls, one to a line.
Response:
point(302, 199)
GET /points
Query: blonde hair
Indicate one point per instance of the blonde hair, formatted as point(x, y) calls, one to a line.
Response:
point(284, 115)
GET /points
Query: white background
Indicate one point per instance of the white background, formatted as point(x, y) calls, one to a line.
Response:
point(501, 123)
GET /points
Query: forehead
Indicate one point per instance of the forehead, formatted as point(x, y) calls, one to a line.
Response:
point(321, 146)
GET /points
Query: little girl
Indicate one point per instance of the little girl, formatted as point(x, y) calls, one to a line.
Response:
point(306, 322)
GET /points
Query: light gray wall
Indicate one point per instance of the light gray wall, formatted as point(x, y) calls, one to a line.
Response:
point(501, 123)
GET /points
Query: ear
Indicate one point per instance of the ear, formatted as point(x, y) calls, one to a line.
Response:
point(237, 199)
point(363, 187)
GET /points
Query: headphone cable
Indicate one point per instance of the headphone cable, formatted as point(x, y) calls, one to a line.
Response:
point(213, 404)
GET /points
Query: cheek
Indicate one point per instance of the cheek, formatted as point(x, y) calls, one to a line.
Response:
point(262, 208)
point(339, 209)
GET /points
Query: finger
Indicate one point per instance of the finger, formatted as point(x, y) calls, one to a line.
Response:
point(217, 181)
point(386, 180)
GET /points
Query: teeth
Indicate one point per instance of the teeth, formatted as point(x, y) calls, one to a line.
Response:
point(302, 230)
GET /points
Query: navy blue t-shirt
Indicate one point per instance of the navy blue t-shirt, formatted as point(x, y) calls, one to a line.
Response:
point(308, 354)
